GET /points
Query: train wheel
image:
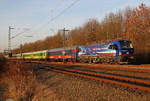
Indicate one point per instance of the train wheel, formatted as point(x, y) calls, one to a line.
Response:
point(90, 60)
point(81, 60)
point(96, 60)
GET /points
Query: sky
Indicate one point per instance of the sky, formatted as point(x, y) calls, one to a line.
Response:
point(41, 18)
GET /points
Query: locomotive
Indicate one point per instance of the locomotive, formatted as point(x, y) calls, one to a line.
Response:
point(115, 51)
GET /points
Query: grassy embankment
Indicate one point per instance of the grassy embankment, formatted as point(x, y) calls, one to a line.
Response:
point(19, 83)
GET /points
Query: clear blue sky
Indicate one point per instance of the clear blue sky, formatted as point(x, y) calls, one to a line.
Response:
point(36, 15)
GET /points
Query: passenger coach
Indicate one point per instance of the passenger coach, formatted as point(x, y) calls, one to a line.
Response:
point(67, 53)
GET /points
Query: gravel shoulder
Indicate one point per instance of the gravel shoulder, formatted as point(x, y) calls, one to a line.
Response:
point(70, 88)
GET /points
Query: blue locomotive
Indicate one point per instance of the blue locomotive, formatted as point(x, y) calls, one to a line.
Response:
point(117, 51)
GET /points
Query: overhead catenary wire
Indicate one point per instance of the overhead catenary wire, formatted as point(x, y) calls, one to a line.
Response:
point(19, 33)
point(62, 12)
point(52, 19)
point(58, 15)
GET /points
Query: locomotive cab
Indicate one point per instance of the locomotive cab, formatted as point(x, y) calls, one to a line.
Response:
point(124, 51)
point(127, 51)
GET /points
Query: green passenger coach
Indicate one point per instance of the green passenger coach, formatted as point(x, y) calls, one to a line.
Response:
point(33, 55)
point(39, 55)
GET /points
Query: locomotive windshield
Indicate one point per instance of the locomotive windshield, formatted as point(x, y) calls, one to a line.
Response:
point(125, 44)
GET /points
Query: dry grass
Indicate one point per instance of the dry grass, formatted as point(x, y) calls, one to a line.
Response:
point(2, 62)
point(21, 84)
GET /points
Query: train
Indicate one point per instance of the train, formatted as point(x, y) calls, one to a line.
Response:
point(115, 51)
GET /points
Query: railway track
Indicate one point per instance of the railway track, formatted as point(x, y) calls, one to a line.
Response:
point(102, 66)
point(133, 83)
point(137, 68)
point(126, 81)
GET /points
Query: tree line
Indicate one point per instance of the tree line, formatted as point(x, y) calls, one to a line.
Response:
point(129, 24)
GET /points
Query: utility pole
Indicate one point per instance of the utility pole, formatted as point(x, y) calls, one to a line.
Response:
point(9, 40)
point(64, 43)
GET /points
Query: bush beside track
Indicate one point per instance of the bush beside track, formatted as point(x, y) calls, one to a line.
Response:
point(3, 61)
point(18, 82)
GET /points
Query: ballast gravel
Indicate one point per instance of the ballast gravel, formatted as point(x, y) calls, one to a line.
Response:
point(70, 88)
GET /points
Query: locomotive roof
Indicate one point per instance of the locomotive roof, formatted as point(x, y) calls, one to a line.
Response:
point(104, 45)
